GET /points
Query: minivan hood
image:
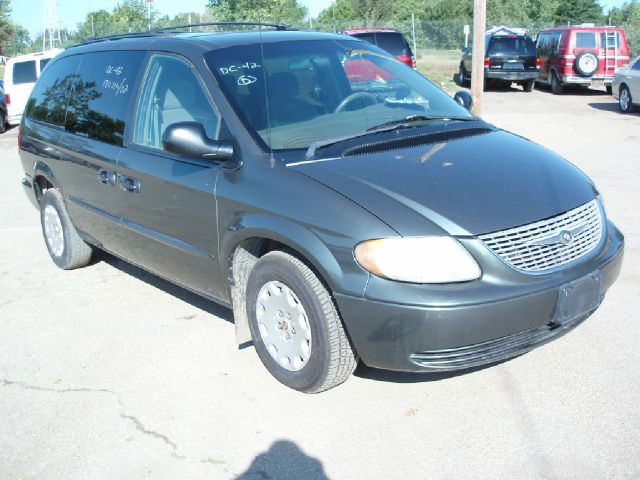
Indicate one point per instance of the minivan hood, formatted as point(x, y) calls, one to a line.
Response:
point(467, 186)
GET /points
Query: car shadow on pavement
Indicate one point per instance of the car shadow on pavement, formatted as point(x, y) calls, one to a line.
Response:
point(284, 461)
point(183, 294)
point(370, 373)
point(607, 107)
point(575, 90)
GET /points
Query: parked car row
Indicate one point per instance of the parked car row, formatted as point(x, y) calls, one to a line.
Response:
point(583, 55)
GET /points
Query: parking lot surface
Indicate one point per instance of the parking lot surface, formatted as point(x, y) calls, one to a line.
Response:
point(108, 372)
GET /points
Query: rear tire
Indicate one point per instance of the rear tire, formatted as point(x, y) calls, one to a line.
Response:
point(609, 89)
point(529, 85)
point(295, 326)
point(556, 85)
point(3, 122)
point(461, 78)
point(625, 102)
point(66, 248)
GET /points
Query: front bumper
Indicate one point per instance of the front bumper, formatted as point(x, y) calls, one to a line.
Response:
point(513, 76)
point(465, 325)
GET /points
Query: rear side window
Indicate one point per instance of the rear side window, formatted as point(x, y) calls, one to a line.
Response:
point(636, 66)
point(24, 72)
point(48, 99)
point(43, 63)
point(511, 46)
point(585, 40)
point(610, 40)
point(392, 42)
point(101, 95)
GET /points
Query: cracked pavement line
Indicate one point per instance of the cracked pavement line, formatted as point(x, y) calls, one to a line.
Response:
point(123, 415)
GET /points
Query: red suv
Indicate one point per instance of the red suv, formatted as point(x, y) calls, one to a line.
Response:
point(387, 39)
point(581, 55)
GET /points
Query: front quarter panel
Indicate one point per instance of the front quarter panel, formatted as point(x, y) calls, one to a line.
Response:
point(268, 200)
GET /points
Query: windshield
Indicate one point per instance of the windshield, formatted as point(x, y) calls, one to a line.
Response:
point(305, 92)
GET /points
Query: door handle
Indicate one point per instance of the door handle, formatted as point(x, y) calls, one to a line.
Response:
point(108, 177)
point(129, 184)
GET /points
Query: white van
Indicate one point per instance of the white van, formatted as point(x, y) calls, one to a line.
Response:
point(20, 75)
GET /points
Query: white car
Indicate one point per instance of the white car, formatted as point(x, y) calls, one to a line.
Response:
point(626, 86)
point(20, 75)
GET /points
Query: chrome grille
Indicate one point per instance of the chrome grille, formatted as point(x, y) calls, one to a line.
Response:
point(539, 246)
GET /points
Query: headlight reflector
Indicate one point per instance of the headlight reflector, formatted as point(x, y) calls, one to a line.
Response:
point(418, 259)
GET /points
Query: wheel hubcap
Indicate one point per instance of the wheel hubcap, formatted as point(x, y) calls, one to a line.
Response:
point(624, 99)
point(53, 231)
point(284, 325)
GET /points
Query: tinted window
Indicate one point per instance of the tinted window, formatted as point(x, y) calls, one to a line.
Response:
point(367, 37)
point(171, 94)
point(636, 66)
point(511, 45)
point(24, 72)
point(102, 93)
point(307, 91)
point(49, 96)
point(585, 40)
point(43, 63)
point(392, 42)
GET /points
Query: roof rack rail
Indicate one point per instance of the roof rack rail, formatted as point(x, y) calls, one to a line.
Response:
point(220, 24)
point(116, 36)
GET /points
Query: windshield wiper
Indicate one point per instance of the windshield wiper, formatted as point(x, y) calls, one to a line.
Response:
point(408, 121)
point(392, 125)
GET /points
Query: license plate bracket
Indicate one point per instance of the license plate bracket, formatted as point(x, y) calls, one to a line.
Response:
point(578, 298)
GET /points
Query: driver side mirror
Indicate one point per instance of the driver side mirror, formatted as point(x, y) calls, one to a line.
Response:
point(464, 98)
point(190, 139)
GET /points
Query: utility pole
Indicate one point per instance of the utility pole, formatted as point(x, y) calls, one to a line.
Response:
point(149, 14)
point(477, 58)
point(413, 31)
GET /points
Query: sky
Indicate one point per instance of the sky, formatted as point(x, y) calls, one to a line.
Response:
point(30, 13)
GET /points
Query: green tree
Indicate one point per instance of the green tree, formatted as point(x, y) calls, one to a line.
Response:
point(290, 12)
point(19, 43)
point(7, 29)
point(578, 11)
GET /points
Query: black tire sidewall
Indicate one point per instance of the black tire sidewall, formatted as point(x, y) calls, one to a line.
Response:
point(53, 198)
point(312, 374)
point(556, 85)
point(3, 122)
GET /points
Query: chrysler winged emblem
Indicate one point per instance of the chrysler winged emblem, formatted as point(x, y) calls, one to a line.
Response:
point(565, 236)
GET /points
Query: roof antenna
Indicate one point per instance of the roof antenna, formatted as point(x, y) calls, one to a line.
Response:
point(272, 160)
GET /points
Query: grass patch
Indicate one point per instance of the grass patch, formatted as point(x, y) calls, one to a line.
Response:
point(439, 66)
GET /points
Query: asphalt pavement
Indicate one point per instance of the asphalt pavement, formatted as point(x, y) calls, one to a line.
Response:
point(108, 372)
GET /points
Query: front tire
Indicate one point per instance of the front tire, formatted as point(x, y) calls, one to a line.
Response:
point(295, 326)
point(625, 102)
point(66, 248)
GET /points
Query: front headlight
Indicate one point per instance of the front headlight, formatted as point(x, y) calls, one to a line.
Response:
point(418, 260)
